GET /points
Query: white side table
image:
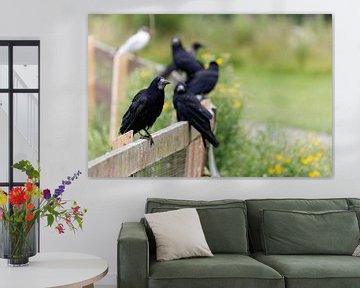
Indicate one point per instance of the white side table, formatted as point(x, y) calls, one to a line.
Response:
point(50, 270)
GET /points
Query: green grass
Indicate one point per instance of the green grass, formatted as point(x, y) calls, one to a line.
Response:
point(299, 100)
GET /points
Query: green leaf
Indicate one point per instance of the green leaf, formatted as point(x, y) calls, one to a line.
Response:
point(26, 167)
point(50, 219)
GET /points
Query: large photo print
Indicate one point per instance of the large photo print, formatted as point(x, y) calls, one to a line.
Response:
point(210, 95)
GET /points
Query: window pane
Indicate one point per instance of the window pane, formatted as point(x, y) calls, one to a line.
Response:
point(4, 137)
point(25, 67)
point(26, 131)
point(4, 67)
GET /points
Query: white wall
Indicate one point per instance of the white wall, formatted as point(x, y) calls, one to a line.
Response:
point(62, 28)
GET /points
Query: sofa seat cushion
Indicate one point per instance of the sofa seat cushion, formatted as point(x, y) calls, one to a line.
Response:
point(313, 271)
point(222, 270)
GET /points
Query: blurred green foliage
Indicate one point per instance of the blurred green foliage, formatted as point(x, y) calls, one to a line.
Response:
point(274, 42)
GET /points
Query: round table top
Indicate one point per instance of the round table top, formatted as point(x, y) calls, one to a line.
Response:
point(61, 269)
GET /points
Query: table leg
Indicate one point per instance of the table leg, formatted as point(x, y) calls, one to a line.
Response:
point(89, 286)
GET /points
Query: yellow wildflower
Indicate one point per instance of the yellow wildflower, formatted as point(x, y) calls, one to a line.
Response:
point(279, 157)
point(3, 198)
point(278, 169)
point(314, 174)
point(237, 104)
point(222, 90)
point(145, 74)
point(219, 61)
point(317, 156)
point(166, 106)
point(307, 160)
point(271, 171)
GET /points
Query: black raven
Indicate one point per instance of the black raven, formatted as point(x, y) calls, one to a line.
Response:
point(145, 108)
point(189, 108)
point(184, 60)
point(204, 81)
point(195, 46)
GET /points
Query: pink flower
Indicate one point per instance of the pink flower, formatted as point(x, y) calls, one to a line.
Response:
point(76, 210)
point(1, 214)
point(60, 228)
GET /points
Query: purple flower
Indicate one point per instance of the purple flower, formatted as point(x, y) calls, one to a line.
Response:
point(46, 194)
point(68, 181)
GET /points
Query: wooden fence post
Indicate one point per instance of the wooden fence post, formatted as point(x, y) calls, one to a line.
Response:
point(91, 75)
point(195, 158)
point(118, 93)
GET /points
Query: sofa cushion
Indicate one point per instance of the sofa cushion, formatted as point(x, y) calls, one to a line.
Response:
point(353, 201)
point(178, 234)
point(297, 232)
point(313, 271)
point(254, 206)
point(223, 221)
point(356, 209)
point(222, 270)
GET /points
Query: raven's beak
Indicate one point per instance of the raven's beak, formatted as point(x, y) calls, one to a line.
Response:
point(166, 82)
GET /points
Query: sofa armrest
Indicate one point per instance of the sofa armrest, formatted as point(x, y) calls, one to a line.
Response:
point(133, 256)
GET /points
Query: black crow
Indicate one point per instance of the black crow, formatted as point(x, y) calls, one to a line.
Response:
point(145, 108)
point(188, 108)
point(184, 60)
point(195, 46)
point(204, 81)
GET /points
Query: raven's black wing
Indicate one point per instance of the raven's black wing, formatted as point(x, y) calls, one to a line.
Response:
point(188, 108)
point(203, 82)
point(186, 62)
point(134, 112)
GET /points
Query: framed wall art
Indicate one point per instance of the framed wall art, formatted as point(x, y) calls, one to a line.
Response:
point(176, 95)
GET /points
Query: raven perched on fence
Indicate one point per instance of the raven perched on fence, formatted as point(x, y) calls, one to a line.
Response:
point(195, 46)
point(184, 60)
point(189, 108)
point(145, 108)
point(204, 81)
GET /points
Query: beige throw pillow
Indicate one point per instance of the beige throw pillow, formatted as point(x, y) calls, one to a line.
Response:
point(178, 234)
point(357, 251)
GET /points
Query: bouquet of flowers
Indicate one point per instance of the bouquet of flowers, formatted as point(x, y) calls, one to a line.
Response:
point(23, 206)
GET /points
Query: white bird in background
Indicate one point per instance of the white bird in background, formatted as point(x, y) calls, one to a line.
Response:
point(136, 42)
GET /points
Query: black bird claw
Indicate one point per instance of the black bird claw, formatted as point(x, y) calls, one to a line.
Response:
point(148, 138)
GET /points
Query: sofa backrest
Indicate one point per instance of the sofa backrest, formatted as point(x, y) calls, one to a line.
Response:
point(256, 205)
point(223, 221)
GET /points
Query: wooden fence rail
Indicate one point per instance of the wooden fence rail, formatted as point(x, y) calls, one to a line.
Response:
point(132, 158)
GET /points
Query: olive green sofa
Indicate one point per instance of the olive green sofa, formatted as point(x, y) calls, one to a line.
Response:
point(233, 230)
